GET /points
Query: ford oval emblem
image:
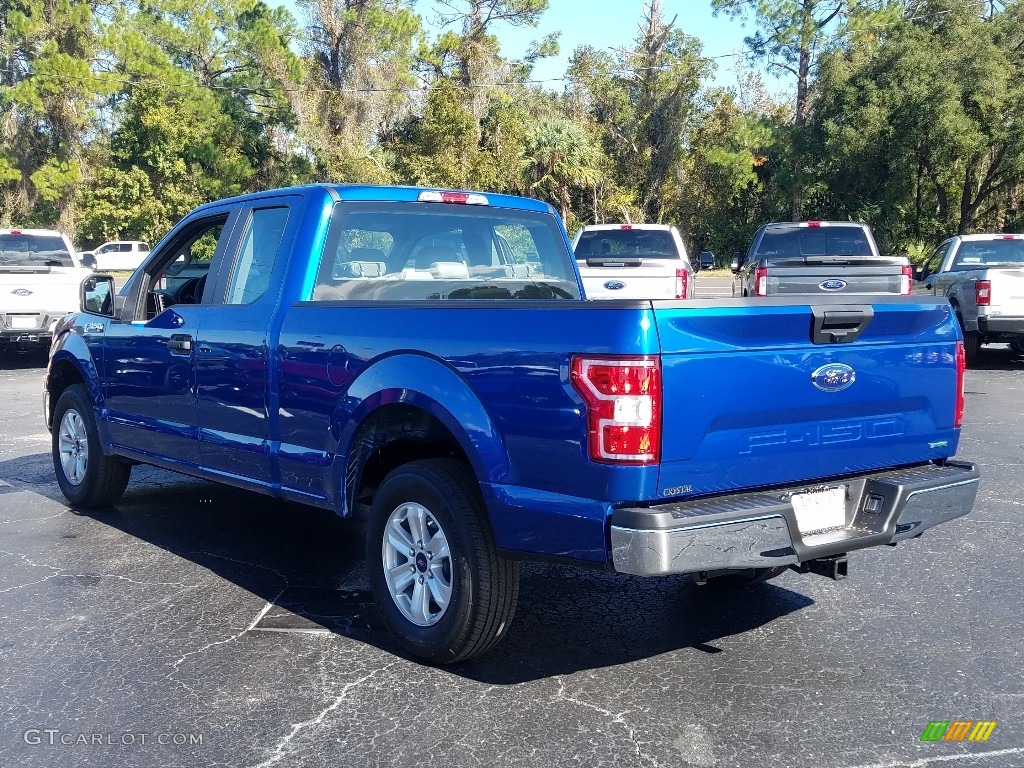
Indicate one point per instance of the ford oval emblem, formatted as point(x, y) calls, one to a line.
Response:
point(614, 285)
point(21, 292)
point(832, 285)
point(833, 377)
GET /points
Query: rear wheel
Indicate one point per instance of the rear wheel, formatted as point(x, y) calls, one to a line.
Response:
point(435, 572)
point(972, 341)
point(86, 477)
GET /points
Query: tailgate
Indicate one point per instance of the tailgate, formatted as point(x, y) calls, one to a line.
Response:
point(751, 400)
point(1007, 292)
point(41, 288)
point(651, 279)
point(875, 276)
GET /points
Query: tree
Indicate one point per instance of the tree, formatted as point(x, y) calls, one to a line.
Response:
point(361, 55)
point(560, 157)
point(926, 134)
point(48, 97)
point(644, 101)
point(790, 36)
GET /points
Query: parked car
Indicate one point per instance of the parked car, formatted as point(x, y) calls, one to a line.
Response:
point(39, 283)
point(983, 277)
point(634, 261)
point(818, 257)
point(366, 350)
point(116, 256)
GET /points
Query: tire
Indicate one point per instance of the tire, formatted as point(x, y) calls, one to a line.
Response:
point(445, 608)
point(87, 478)
point(972, 341)
point(1017, 346)
point(747, 577)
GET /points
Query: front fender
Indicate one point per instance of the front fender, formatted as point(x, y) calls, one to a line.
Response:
point(433, 386)
point(70, 352)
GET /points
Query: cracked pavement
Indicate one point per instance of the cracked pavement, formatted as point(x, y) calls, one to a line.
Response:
point(194, 609)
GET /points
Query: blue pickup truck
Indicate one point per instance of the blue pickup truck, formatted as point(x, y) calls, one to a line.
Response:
point(425, 359)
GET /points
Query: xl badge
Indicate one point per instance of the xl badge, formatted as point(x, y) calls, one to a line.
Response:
point(833, 377)
point(21, 292)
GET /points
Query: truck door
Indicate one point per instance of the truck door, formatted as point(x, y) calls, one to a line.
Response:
point(233, 347)
point(931, 270)
point(148, 363)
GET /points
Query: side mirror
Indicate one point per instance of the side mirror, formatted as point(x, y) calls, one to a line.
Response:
point(734, 265)
point(706, 260)
point(920, 273)
point(97, 295)
point(88, 260)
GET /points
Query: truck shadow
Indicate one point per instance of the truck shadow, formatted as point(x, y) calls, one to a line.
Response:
point(997, 357)
point(308, 565)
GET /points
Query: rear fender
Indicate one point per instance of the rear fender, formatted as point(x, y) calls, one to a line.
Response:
point(430, 385)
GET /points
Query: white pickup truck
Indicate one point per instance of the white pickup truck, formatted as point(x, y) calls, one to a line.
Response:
point(634, 261)
point(40, 277)
point(983, 277)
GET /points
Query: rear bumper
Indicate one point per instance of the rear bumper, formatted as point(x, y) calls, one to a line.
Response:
point(759, 530)
point(995, 325)
point(26, 338)
point(26, 328)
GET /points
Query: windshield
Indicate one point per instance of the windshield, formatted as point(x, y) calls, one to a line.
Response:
point(989, 253)
point(650, 243)
point(27, 250)
point(814, 241)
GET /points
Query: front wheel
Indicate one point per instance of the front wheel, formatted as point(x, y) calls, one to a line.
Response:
point(436, 575)
point(86, 477)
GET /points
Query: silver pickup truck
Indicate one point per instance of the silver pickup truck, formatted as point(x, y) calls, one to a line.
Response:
point(818, 257)
point(983, 277)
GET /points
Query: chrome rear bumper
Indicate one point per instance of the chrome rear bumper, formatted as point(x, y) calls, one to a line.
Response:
point(759, 530)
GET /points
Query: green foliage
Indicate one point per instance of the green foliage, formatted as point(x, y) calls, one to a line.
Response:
point(117, 118)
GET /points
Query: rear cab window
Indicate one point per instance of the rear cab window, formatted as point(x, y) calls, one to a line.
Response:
point(33, 250)
point(649, 243)
point(813, 241)
point(402, 251)
point(979, 254)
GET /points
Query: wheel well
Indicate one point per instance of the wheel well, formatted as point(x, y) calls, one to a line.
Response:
point(61, 375)
point(391, 436)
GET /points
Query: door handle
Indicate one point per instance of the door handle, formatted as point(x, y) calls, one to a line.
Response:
point(180, 343)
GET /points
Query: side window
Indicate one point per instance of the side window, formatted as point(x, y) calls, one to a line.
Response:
point(261, 240)
point(179, 277)
point(934, 262)
point(144, 247)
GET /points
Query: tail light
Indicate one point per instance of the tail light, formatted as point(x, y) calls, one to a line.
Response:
point(961, 367)
point(682, 284)
point(761, 281)
point(623, 398)
point(983, 292)
point(906, 280)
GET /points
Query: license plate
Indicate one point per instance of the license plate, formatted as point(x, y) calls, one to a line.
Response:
point(820, 510)
point(22, 322)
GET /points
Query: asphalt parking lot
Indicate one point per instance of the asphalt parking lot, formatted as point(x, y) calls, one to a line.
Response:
point(195, 625)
